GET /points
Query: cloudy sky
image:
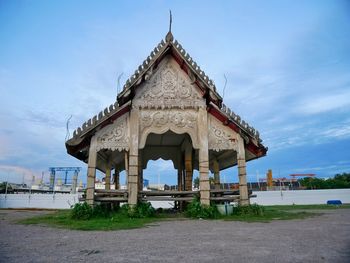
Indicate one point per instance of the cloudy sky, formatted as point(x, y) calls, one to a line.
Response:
point(287, 64)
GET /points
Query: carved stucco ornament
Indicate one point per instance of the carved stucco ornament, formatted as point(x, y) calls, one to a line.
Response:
point(168, 88)
point(220, 138)
point(114, 136)
point(161, 121)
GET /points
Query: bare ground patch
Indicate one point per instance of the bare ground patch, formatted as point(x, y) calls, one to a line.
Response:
point(325, 238)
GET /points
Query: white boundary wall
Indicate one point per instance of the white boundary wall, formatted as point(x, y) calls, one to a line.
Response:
point(52, 201)
point(300, 197)
point(64, 201)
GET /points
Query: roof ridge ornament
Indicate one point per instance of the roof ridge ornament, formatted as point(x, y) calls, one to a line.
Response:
point(169, 36)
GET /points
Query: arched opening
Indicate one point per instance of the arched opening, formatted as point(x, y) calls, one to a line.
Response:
point(172, 147)
point(160, 175)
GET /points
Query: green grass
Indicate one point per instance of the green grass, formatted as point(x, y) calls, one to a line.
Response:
point(118, 221)
point(286, 212)
point(270, 214)
point(62, 219)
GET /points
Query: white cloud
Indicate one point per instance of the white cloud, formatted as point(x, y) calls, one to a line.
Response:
point(14, 173)
point(161, 165)
point(339, 166)
point(324, 103)
point(337, 132)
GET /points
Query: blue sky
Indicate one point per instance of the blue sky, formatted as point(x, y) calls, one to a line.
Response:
point(287, 65)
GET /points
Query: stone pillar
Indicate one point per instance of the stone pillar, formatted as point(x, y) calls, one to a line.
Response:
point(180, 173)
point(91, 174)
point(203, 157)
point(133, 177)
point(108, 178)
point(183, 176)
point(242, 174)
point(216, 169)
point(140, 172)
point(179, 179)
point(188, 168)
point(116, 179)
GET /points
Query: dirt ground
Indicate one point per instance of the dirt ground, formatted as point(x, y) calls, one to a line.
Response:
point(324, 238)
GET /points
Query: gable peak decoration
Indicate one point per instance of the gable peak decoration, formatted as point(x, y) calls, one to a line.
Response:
point(169, 37)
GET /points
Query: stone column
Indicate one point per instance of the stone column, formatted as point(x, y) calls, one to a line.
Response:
point(188, 168)
point(242, 174)
point(91, 174)
point(203, 156)
point(179, 173)
point(116, 179)
point(140, 172)
point(183, 176)
point(179, 179)
point(133, 177)
point(108, 178)
point(216, 169)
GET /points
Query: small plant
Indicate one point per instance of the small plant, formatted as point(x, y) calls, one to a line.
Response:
point(196, 210)
point(102, 210)
point(141, 210)
point(254, 210)
point(81, 211)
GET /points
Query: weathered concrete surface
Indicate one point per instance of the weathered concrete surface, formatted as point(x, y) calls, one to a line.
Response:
point(324, 238)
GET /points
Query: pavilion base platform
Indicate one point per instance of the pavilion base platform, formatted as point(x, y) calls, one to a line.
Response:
point(180, 198)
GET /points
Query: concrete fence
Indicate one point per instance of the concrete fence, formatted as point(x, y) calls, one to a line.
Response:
point(64, 201)
point(54, 201)
point(300, 197)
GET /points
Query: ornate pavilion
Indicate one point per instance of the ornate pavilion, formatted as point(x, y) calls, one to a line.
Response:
point(169, 109)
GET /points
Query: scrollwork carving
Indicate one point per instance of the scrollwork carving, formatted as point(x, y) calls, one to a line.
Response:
point(221, 140)
point(180, 119)
point(114, 137)
point(167, 88)
point(160, 121)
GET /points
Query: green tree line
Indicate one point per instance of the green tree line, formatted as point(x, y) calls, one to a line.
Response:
point(338, 181)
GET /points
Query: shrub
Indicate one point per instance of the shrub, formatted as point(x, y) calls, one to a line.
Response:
point(196, 210)
point(83, 211)
point(102, 210)
point(141, 210)
point(255, 210)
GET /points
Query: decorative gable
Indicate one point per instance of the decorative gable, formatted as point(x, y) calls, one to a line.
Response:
point(221, 137)
point(168, 87)
point(114, 136)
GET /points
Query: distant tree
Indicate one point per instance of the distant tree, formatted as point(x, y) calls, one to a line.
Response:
point(3, 188)
point(339, 181)
point(196, 181)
